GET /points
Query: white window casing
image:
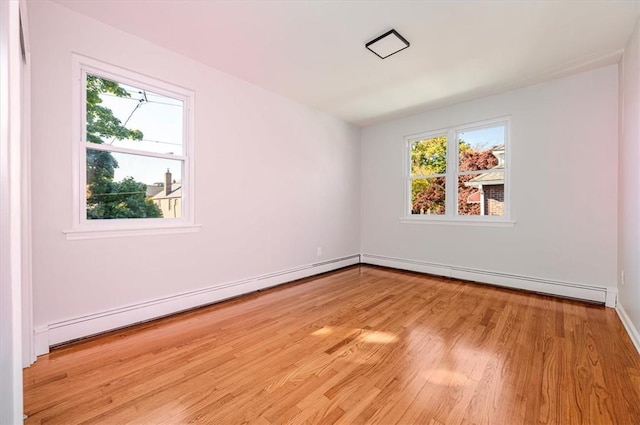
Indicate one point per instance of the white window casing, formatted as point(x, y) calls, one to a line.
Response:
point(83, 228)
point(451, 215)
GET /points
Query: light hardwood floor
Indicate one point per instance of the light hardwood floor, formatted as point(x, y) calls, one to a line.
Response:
point(362, 345)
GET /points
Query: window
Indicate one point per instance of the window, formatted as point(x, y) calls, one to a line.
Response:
point(459, 173)
point(134, 154)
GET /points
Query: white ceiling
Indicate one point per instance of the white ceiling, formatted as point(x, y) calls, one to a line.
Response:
point(314, 51)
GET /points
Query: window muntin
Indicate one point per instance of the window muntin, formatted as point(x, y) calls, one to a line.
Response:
point(134, 157)
point(475, 161)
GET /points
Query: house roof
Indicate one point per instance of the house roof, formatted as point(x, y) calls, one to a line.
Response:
point(485, 179)
point(175, 193)
point(474, 198)
point(153, 190)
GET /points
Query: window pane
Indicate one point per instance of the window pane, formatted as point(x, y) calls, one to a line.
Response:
point(132, 186)
point(429, 156)
point(481, 149)
point(481, 194)
point(428, 196)
point(134, 118)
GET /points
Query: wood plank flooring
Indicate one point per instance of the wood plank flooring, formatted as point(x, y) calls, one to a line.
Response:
point(362, 345)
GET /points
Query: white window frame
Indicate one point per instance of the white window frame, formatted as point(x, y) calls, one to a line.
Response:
point(83, 228)
point(451, 215)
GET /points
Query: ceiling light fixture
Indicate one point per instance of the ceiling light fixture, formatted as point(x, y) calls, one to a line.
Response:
point(387, 44)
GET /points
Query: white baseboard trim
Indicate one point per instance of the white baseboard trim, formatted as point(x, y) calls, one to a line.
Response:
point(41, 340)
point(628, 325)
point(599, 294)
point(80, 327)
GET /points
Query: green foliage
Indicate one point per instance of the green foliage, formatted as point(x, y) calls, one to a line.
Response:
point(428, 158)
point(123, 199)
point(107, 199)
point(101, 123)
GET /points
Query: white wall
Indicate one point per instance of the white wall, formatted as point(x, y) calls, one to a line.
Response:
point(629, 190)
point(274, 181)
point(563, 186)
point(10, 216)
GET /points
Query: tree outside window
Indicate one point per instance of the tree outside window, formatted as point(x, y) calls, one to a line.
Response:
point(459, 172)
point(106, 197)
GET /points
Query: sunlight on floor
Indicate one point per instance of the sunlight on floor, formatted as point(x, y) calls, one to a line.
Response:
point(447, 377)
point(365, 335)
point(323, 331)
point(376, 337)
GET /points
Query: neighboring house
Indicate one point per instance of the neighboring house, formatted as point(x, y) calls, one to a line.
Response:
point(490, 194)
point(154, 189)
point(169, 197)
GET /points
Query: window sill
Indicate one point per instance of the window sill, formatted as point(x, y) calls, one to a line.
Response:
point(83, 234)
point(457, 222)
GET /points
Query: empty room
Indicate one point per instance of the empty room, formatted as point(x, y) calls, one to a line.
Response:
point(322, 212)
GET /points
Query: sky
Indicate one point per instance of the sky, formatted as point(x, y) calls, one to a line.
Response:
point(160, 120)
point(483, 138)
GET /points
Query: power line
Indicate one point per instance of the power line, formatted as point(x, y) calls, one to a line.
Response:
point(161, 142)
point(147, 100)
point(157, 141)
point(140, 102)
point(119, 97)
point(117, 194)
point(164, 103)
point(131, 114)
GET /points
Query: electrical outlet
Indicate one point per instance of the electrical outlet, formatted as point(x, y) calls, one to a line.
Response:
point(319, 251)
point(622, 277)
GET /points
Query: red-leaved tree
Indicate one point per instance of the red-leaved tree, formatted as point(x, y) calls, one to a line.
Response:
point(472, 161)
point(430, 199)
